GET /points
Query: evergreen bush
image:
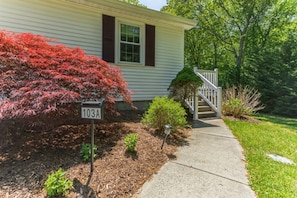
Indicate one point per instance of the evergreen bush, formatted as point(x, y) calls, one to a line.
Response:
point(184, 84)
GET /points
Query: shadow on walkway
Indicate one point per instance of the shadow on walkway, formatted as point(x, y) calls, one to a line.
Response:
point(201, 124)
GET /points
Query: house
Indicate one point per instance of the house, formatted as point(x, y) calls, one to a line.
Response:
point(147, 45)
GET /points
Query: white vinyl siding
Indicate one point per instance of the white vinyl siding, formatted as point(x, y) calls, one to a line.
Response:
point(148, 82)
point(77, 25)
point(70, 24)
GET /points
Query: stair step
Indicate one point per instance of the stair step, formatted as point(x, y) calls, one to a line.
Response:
point(206, 114)
point(204, 108)
point(202, 103)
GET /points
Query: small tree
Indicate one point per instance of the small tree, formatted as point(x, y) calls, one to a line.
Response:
point(39, 78)
point(184, 84)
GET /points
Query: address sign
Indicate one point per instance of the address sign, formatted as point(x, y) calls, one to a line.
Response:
point(93, 110)
point(91, 113)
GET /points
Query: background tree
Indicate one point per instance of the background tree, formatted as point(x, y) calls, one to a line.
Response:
point(224, 26)
point(275, 75)
point(242, 38)
point(134, 2)
point(39, 79)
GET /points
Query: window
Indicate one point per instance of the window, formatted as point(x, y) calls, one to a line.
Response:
point(128, 42)
point(130, 47)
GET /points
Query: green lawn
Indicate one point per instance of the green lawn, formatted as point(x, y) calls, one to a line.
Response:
point(274, 135)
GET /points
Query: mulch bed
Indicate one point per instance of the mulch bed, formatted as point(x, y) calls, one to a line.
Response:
point(29, 157)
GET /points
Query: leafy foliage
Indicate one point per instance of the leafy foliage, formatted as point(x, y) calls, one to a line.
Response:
point(276, 77)
point(251, 42)
point(86, 150)
point(239, 101)
point(164, 111)
point(235, 107)
point(185, 82)
point(225, 30)
point(130, 141)
point(39, 78)
point(57, 185)
point(249, 96)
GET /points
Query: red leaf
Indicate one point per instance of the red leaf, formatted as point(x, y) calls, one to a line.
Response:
point(35, 76)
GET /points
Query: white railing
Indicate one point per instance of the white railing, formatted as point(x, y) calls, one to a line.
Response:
point(209, 92)
point(210, 75)
point(192, 103)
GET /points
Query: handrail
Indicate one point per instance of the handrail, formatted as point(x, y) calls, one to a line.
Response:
point(209, 92)
point(212, 76)
point(205, 80)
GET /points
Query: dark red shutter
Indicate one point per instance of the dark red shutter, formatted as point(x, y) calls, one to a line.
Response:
point(108, 38)
point(150, 37)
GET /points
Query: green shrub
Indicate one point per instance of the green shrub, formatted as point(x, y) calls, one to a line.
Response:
point(184, 84)
point(241, 100)
point(235, 107)
point(57, 185)
point(164, 111)
point(131, 141)
point(85, 151)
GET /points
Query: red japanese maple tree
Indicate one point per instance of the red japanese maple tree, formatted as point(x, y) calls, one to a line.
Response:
point(37, 77)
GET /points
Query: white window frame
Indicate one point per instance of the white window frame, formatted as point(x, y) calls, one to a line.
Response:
point(141, 41)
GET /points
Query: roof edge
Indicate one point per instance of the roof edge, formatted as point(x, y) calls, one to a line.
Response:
point(137, 11)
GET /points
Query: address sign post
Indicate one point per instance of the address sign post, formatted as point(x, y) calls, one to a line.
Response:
point(92, 110)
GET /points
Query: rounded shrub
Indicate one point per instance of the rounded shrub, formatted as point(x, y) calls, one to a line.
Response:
point(164, 111)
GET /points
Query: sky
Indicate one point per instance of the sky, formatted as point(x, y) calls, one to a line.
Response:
point(153, 4)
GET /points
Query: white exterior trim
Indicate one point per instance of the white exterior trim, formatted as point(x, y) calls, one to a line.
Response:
point(117, 42)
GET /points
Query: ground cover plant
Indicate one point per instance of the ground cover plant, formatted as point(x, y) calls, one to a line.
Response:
point(86, 151)
point(57, 184)
point(273, 135)
point(130, 141)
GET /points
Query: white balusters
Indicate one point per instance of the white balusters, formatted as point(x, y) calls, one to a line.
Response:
point(208, 91)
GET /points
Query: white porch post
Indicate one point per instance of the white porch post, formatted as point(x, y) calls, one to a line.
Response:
point(216, 70)
point(195, 115)
point(219, 113)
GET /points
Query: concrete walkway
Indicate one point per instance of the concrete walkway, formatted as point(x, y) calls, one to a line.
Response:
point(210, 165)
